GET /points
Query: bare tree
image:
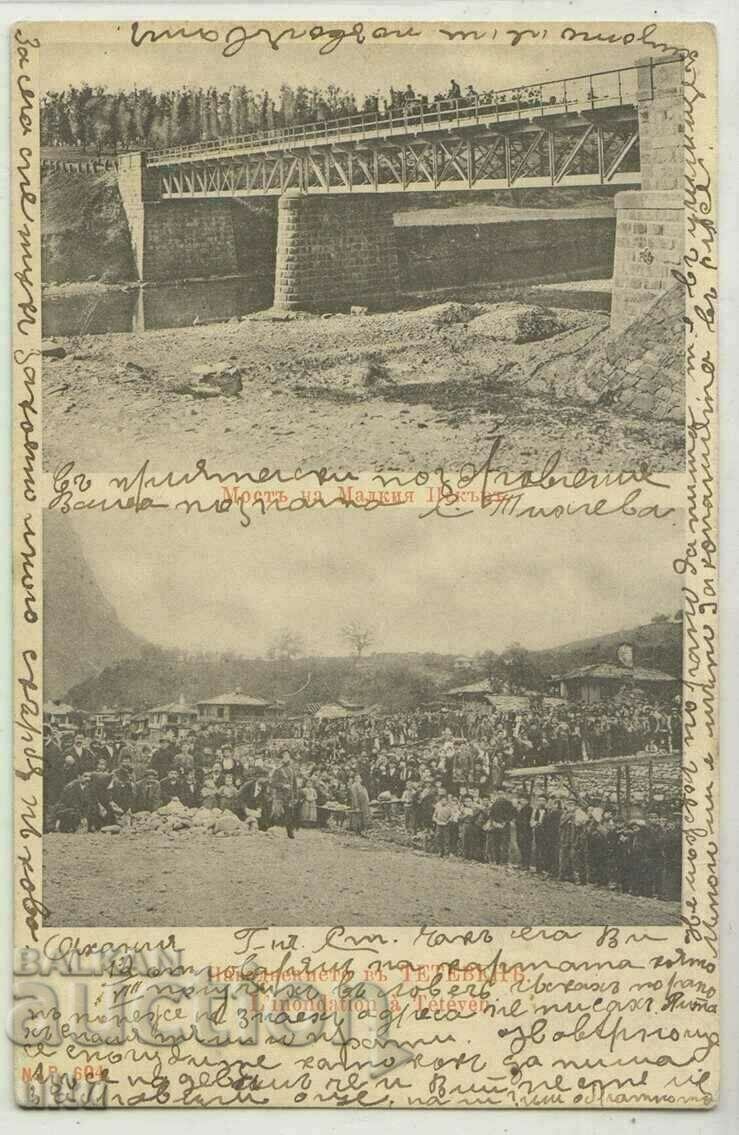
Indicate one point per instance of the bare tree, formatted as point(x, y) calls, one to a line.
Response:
point(286, 646)
point(358, 637)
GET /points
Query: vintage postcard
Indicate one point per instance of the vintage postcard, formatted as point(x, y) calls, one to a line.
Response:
point(365, 548)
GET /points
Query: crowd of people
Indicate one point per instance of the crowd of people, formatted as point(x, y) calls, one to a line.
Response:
point(585, 841)
point(410, 102)
point(484, 743)
point(438, 775)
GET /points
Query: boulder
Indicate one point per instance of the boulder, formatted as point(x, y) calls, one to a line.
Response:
point(519, 323)
point(174, 807)
point(227, 824)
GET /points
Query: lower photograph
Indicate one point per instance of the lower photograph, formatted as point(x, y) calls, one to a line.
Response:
point(361, 721)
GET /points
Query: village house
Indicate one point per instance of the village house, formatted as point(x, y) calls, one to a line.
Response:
point(235, 706)
point(108, 722)
point(603, 680)
point(334, 711)
point(175, 717)
point(58, 713)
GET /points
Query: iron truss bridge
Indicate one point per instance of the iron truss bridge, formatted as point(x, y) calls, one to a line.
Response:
point(577, 131)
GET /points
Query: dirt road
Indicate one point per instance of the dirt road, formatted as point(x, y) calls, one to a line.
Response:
point(382, 392)
point(318, 879)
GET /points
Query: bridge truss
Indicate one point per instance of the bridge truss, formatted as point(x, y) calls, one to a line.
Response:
point(599, 147)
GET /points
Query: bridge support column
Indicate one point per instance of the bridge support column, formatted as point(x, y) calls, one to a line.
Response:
point(650, 237)
point(333, 252)
point(174, 240)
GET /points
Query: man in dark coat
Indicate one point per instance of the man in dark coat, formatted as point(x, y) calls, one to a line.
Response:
point(539, 833)
point(550, 831)
point(565, 866)
point(122, 791)
point(597, 850)
point(501, 813)
point(428, 796)
point(83, 754)
point(672, 857)
point(72, 804)
point(284, 787)
point(189, 789)
point(148, 794)
point(106, 750)
point(98, 809)
point(54, 775)
point(163, 760)
point(169, 787)
point(524, 834)
point(643, 856)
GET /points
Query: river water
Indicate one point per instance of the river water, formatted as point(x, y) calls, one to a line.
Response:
point(96, 312)
point(437, 248)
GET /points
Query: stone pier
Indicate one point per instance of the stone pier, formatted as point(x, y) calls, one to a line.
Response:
point(334, 252)
point(650, 222)
point(174, 240)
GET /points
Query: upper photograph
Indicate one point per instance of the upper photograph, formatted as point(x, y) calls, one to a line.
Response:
point(375, 257)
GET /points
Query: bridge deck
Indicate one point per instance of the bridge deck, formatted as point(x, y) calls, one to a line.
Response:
point(532, 104)
point(401, 126)
point(569, 767)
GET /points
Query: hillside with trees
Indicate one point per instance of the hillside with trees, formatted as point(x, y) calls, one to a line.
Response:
point(98, 120)
point(397, 682)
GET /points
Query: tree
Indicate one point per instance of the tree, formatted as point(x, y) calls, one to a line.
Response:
point(660, 618)
point(489, 662)
point(286, 646)
point(358, 637)
point(520, 668)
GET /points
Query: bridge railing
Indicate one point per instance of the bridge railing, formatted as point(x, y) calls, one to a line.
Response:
point(616, 87)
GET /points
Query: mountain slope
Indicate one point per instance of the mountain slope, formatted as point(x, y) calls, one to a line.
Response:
point(82, 632)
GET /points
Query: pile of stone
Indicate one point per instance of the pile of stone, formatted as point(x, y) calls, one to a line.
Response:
point(520, 323)
point(210, 380)
point(175, 819)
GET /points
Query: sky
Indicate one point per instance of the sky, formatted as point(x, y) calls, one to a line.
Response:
point(451, 586)
point(361, 69)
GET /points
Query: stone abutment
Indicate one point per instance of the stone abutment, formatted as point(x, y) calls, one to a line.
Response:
point(650, 221)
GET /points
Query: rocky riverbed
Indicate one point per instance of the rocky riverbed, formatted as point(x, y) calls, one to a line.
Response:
point(399, 390)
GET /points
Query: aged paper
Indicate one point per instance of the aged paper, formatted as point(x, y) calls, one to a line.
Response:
point(365, 557)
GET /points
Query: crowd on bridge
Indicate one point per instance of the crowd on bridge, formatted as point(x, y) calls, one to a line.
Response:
point(410, 102)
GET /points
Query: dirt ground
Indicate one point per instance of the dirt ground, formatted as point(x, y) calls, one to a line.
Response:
point(381, 392)
point(317, 879)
